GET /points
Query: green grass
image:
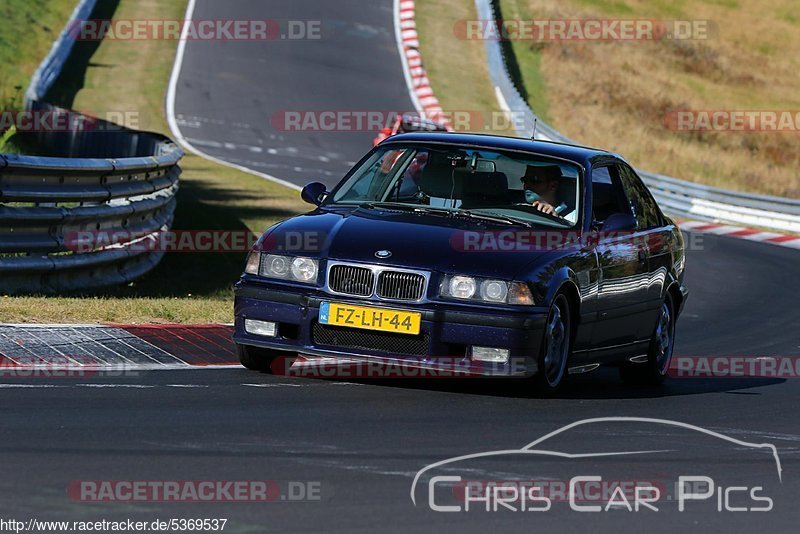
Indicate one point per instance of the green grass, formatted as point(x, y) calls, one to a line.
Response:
point(185, 287)
point(456, 67)
point(612, 7)
point(6, 146)
point(528, 57)
point(27, 31)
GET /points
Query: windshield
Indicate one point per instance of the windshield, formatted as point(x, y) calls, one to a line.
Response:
point(531, 189)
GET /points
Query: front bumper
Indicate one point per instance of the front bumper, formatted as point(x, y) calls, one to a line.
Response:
point(447, 332)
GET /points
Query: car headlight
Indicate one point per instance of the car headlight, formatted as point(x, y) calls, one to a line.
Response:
point(494, 290)
point(298, 269)
point(304, 269)
point(486, 290)
point(462, 287)
point(276, 266)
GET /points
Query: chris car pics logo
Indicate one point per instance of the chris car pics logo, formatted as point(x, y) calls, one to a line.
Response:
point(450, 485)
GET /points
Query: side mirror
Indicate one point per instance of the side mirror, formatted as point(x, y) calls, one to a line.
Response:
point(619, 222)
point(313, 193)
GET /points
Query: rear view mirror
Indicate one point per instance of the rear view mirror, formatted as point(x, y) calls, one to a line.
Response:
point(619, 222)
point(314, 193)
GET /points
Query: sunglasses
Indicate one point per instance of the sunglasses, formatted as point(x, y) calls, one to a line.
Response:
point(531, 180)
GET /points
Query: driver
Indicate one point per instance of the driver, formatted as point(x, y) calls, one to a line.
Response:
point(541, 185)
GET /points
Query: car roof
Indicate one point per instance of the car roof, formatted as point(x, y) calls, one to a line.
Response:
point(579, 154)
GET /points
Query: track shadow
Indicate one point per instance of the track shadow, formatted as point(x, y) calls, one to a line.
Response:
point(200, 206)
point(601, 384)
point(73, 76)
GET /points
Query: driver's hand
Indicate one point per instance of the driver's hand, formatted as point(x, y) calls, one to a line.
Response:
point(544, 207)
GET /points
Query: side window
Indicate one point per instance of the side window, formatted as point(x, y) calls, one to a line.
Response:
point(608, 195)
point(374, 178)
point(642, 202)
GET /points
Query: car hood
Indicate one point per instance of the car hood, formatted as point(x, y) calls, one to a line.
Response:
point(428, 242)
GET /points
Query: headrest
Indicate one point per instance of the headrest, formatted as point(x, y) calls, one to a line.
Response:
point(482, 184)
point(542, 173)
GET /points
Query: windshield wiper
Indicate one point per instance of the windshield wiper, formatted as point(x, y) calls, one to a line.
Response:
point(432, 210)
point(494, 218)
point(406, 207)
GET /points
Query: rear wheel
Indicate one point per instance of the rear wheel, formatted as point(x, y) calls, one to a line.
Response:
point(265, 360)
point(555, 347)
point(659, 356)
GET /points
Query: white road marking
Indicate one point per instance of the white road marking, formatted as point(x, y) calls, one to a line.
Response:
point(30, 386)
point(103, 386)
point(273, 385)
point(172, 92)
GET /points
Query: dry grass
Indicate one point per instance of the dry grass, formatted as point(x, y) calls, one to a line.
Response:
point(616, 95)
point(16, 310)
point(456, 68)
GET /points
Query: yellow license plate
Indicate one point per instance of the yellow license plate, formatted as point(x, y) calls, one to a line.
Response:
point(401, 322)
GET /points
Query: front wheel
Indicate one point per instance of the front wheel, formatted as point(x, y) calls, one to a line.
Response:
point(659, 356)
point(264, 360)
point(555, 347)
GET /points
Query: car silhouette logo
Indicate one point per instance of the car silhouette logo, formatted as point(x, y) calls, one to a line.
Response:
point(383, 254)
point(533, 449)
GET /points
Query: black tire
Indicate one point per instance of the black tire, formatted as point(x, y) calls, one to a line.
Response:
point(263, 360)
point(659, 354)
point(556, 347)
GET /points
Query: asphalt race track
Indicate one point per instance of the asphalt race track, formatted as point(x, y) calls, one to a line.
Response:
point(362, 442)
point(232, 97)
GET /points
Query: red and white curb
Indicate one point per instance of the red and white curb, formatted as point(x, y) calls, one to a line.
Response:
point(419, 85)
point(144, 347)
point(750, 234)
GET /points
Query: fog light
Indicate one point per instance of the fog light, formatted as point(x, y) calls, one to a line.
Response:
point(489, 354)
point(260, 328)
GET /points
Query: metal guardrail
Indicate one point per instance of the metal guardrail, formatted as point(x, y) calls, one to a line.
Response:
point(677, 197)
point(49, 205)
point(107, 181)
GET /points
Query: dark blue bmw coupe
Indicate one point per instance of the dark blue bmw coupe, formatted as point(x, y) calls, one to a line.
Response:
point(498, 256)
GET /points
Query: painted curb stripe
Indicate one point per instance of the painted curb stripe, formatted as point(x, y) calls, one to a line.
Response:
point(116, 346)
point(749, 234)
point(421, 87)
